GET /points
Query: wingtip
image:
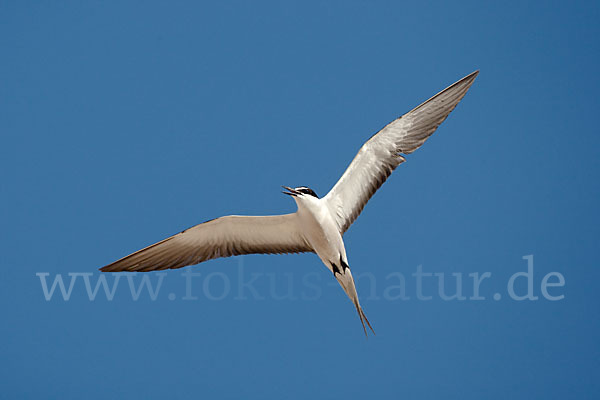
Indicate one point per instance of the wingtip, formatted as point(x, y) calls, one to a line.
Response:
point(472, 75)
point(106, 268)
point(469, 78)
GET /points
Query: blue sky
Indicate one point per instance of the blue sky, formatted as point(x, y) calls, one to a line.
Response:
point(124, 123)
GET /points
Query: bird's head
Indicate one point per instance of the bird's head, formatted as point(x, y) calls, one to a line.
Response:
point(300, 192)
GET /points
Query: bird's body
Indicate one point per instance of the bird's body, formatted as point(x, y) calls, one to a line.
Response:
point(319, 223)
point(318, 226)
point(320, 230)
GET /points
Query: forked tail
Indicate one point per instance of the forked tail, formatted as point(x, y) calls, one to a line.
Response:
point(363, 319)
point(344, 277)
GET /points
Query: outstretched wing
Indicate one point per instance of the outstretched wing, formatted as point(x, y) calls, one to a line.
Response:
point(380, 155)
point(222, 237)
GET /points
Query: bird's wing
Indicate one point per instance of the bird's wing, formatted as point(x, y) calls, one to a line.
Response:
point(380, 155)
point(222, 237)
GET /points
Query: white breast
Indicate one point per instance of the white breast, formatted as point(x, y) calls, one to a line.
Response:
point(320, 229)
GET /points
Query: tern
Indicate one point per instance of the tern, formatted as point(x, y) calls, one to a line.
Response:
point(319, 224)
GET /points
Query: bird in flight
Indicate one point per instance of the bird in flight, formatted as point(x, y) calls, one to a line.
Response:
point(319, 224)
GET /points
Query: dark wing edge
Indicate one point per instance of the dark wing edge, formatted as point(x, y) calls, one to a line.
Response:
point(424, 119)
point(382, 153)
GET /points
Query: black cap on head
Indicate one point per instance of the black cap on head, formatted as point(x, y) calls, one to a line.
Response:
point(307, 190)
